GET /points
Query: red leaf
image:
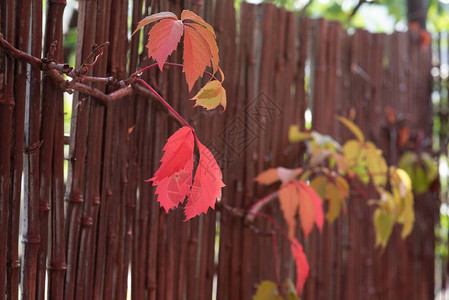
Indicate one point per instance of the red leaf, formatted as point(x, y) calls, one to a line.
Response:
point(173, 189)
point(317, 204)
point(197, 55)
point(302, 266)
point(178, 152)
point(153, 18)
point(207, 184)
point(164, 39)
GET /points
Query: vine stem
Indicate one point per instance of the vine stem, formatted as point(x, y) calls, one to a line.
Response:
point(149, 67)
point(275, 257)
point(170, 108)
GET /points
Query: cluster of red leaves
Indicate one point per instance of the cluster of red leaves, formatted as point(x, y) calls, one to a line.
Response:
point(296, 198)
point(173, 179)
point(200, 48)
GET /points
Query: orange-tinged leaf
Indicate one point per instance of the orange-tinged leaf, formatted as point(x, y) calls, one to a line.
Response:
point(189, 15)
point(302, 265)
point(211, 42)
point(153, 18)
point(273, 175)
point(197, 55)
point(211, 95)
point(267, 177)
point(164, 39)
point(178, 152)
point(288, 198)
point(173, 189)
point(317, 204)
point(306, 210)
point(207, 184)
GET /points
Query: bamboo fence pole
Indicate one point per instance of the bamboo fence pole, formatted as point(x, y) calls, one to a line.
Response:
point(77, 153)
point(31, 237)
point(9, 281)
point(32, 144)
point(57, 253)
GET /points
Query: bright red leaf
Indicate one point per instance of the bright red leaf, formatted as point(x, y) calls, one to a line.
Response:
point(302, 265)
point(178, 152)
point(173, 179)
point(172, 190)
point(207, 184)
point(164, 39)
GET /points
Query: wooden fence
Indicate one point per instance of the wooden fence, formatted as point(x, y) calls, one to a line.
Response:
point(99, 233)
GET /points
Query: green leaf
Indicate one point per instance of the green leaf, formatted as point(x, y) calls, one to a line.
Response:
point(420, 184)
point(383, 225)
point(430, 166)
point(267, 290)
point(354, 128)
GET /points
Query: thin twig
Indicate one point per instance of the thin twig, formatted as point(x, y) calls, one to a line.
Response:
point(256, 207)
point(164, 102)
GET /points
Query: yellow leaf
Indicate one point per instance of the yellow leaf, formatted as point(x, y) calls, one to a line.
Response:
point(402, 188)
point(354, 128)
point(335, 198)
point(342, 185)
point(377, 167)
point(288, 198)
point(295, 135)
point(407, 216)
point(267, 177)
point(211, 95)
point(267, 290)
point(319, 185)
point(353, 153)
point(383, 225)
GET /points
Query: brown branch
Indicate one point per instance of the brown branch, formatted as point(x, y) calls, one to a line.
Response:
point(56, 72)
